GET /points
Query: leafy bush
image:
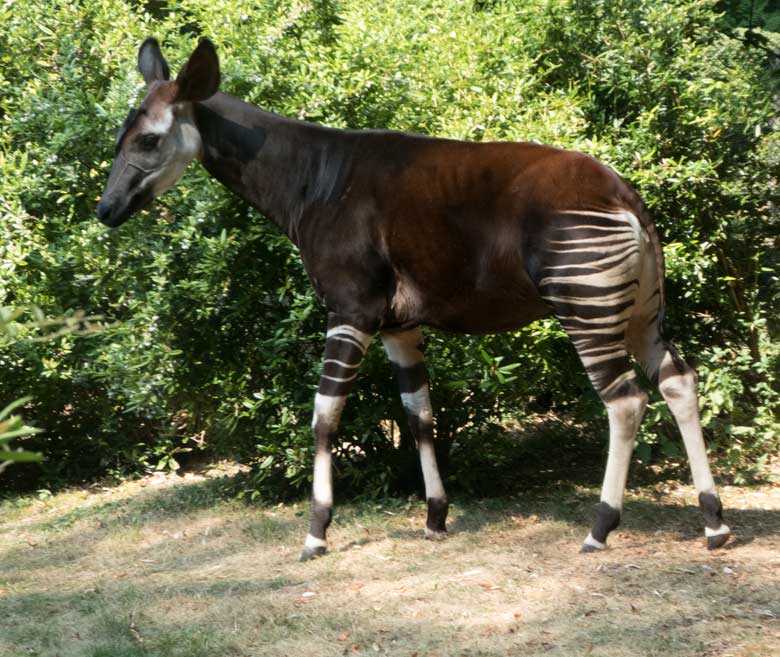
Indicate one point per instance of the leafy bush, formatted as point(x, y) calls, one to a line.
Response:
point(12, 426)
point(212, 338)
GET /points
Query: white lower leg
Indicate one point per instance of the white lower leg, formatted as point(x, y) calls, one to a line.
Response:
point(625, 414)
point(404, 349)
point(323, 478)
point(679, 391)
point(433, 485)
point(327, 410)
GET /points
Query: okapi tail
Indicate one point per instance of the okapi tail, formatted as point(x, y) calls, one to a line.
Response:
point(652, 232)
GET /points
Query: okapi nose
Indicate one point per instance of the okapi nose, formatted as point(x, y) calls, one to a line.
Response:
point(104, 208)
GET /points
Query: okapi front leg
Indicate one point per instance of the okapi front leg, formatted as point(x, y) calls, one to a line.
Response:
point(344, 350)
point(405, 351)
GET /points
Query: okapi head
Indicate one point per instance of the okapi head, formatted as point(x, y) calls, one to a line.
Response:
point(157, 141)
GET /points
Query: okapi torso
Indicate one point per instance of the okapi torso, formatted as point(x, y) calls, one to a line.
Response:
point(398, 230)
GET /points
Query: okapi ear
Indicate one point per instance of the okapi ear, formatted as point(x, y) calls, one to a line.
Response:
point(151, 62)
point(199, 79)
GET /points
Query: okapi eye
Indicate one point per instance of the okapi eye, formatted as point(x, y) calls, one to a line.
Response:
point(149, 142)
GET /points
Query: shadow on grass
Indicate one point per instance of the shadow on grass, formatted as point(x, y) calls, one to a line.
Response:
point(546, 453)
point(76, 533)
point(235, 617)
point(683, 521)
point(560, 501)
point(545, 470)
point(151, 503)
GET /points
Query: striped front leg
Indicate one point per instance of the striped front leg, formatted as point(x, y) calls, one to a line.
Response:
point(404, 349)
point(344, 350)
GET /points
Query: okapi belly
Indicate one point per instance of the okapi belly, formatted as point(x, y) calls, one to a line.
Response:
point(463, 307)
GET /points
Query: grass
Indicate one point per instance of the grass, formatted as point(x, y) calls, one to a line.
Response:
point(169, 567)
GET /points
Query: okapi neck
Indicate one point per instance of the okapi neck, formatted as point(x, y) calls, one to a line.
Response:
point(283, 167)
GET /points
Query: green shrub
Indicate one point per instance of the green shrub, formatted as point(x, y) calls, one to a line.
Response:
point(212, 337)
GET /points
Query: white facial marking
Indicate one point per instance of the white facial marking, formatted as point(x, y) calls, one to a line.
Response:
point(184, 145)
point(160, 124)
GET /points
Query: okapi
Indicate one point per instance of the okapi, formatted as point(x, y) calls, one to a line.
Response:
point(398, 230)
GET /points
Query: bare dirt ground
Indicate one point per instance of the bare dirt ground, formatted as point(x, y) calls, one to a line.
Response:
point(166, 566)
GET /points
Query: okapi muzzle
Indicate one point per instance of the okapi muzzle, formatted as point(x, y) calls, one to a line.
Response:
point(127, 190)
point(398, 231)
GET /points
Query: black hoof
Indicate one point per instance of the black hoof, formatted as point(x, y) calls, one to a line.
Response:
point(435, 534)
point(714, 542)
point(310, 553)
point(587, 547)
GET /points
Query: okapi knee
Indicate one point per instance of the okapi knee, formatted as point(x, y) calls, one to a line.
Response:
point(679, 391)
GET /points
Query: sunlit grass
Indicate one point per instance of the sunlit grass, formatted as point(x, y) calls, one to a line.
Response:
point(171, 567)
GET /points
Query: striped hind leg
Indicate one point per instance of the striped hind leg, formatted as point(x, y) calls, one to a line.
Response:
point(345, 347)
point(589, 273)
point(405, 351)
point(611, 372)
point(677, 383)
point(596, 319)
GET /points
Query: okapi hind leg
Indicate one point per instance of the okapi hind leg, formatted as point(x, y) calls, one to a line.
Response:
point(677, 383)
point(405, 351)
point(345, 347)
point(625, 401)
point(589, 272)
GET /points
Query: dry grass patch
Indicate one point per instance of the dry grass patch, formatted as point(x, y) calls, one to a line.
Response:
point(167, 568)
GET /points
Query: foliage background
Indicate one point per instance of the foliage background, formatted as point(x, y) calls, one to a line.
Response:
point(210, 337)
